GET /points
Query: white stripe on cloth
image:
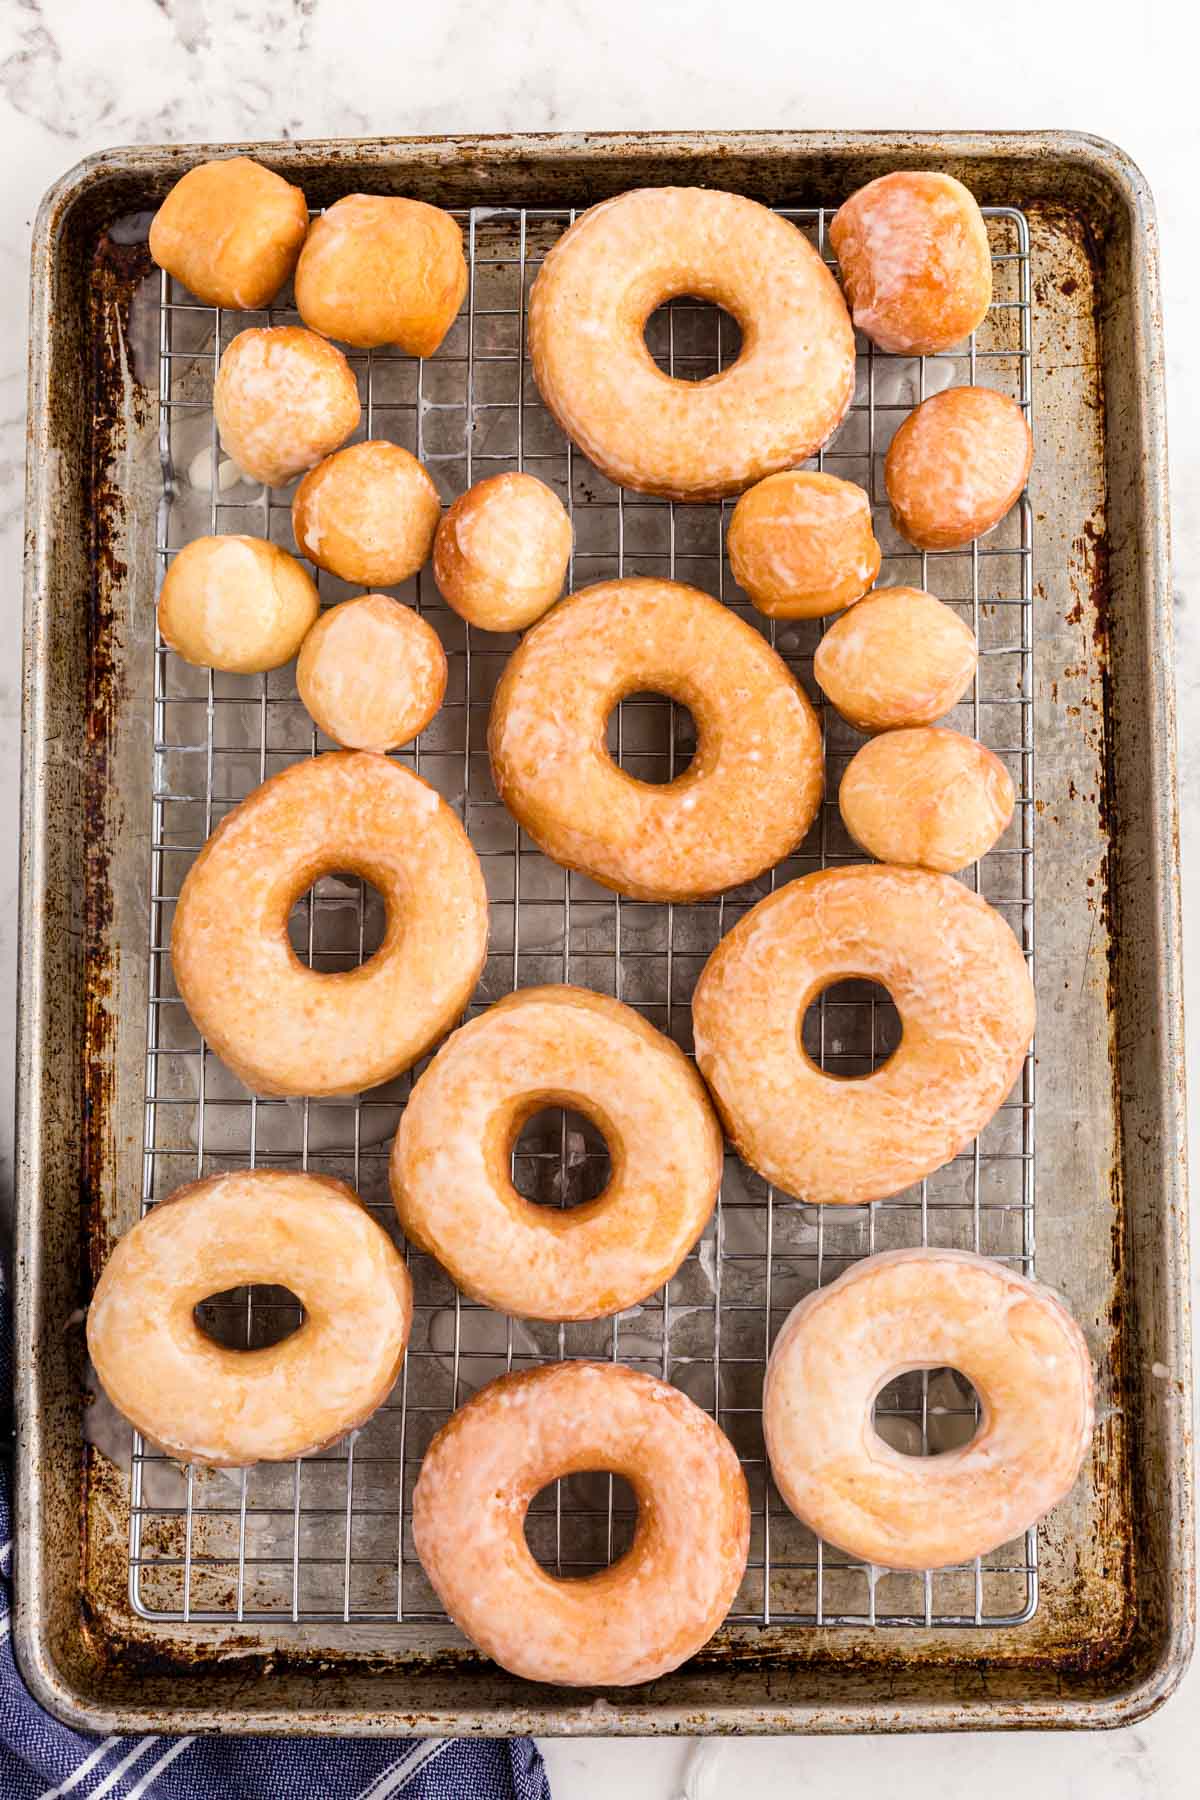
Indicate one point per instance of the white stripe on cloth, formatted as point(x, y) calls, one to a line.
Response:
point(85, 1768)
point(153, 1773)
point(5, 1552)
point(5, 1624)
point(135, 1755)
point(396, 1774)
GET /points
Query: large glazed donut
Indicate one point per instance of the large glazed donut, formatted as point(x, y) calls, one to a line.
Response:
point(1015, 1342)
point(287, 1029)
point(753, 786)
point(557, 1046)
point(785, 395)
point(204, 1402)
point(649, 1611)
point(959, 982)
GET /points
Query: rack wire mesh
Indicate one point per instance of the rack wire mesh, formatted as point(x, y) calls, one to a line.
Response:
point(328, 1538)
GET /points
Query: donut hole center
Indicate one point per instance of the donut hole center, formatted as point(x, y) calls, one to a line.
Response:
point(692, 339)
point(927, 1412)
point(249, 1318)
point(851, 1028)
point(652, 737)
point(340, 922)
point(581, 1524)
point(560, 1159)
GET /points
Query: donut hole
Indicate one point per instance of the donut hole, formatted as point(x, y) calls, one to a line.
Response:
point(692, 339)
point(927, 1411)
point(851, 1028)
point(652, 737)
point(339, 922)
point(560, 1158)
point(581, 1523)
point(249, 1318)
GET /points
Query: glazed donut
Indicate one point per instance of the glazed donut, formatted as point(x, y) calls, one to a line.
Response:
point(958, 980)
point(450, 1160)
point(372, 673)
point(753, 786)
point(801, 544)
point(380, 270)
point(501, 552)
point(777, 404)
point(1015, 1342)
point(899, 658)
point(235, 603)
point(230, 231)
point(286, 1029)
point(929, 798)
point(204, 1402)
point(648, 1612)
point(915, 260)
point(283, 399)
point(956, 466)
point(368, 514)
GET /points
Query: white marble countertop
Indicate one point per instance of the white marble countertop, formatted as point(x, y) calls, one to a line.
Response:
point(78, 76)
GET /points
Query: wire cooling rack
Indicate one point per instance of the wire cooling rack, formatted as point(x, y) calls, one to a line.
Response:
point(328, 1538)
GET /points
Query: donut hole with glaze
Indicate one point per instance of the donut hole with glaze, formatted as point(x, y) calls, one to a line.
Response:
point(582, 1523)
point(927, 1411)
point(338, 923)
point(851, 1028)
point(250, 1318)
point(691, 338)
point(652, 736)
point(560, 1158)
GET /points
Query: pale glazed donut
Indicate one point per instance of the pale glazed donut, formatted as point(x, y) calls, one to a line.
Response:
point(1015, 1342)
point(801, 544)
point(372, 673)
point(368, 514)
point(751, 790)
point(230, 231)
point(236, 603)
point(777, 404)
point(286, 1029)
point(501, 552)
point(557, 1046)
point(204, 1402)
point(958, 980)
point(376, 270)
point(915, 260)
point(930, 798)
point(956, 466)
point(648, 1612)
point(899, 658)
point(283, 399)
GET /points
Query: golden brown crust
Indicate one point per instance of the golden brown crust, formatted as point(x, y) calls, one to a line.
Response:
point(283, 399)
point(801, 544)
point(230, 231)
point(956, 466)
point(367, 514)
point(898, 658)
point(927, 798)
point(236, 603)
point(377, 269)
point(372, 673)
point(501, 552)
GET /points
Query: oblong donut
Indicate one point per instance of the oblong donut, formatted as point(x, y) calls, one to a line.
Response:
point(204, 1402)
point(650, 1610)
point(777, 404)
point(753, 786)
point(958, 980)
point(1015, 1342)
point(287, 1029)
point(557, 1046)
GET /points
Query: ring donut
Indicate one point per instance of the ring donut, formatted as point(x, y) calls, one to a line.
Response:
point(777, 404)
point(650, 1610)
point(754, 784)
point(958, 980)
point(204, 1402)
point(557, 1046)
point(1015, 1342)
point(287, 1029)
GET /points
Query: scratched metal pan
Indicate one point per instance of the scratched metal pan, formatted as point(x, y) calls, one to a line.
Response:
point(1104, 1631)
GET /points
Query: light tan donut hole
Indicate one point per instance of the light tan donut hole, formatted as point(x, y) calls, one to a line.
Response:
point(380, 270)
point(956, 466)
point(1015, 1342)
point(915, 260)
point(898, 658)
point(959, 981)
point(283, 399)
point(451, 1181)
point(501, 552)
point(654, 1607)
point(372, 673)
point(205, 1402)
point(801, 544)
point(235, 603)
point(928, 798)
point(230, 231)
point(367, 514)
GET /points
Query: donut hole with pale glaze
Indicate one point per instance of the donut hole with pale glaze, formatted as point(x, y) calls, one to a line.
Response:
point(250, 1318)
point(926, 1411)
point(339, 922)
point(692, 338)
point(850, 1028)
point(560, 1157)
point(582, 1523)
point(653, 737)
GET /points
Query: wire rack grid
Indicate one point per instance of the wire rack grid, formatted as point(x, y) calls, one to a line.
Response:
point(329, 1537)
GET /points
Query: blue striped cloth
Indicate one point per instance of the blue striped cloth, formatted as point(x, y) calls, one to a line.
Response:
point(41, 1759)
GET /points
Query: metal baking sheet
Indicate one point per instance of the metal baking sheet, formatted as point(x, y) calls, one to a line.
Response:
point(287, 1569)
